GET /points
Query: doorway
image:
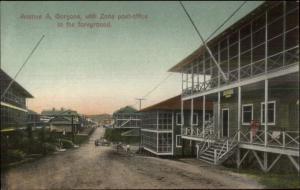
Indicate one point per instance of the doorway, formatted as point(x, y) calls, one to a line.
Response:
point(225, 122)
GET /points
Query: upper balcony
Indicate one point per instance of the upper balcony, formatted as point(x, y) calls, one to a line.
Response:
point(273, 63)
point(262, 43)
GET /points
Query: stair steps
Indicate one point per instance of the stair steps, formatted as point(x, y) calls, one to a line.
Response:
point(208, 155)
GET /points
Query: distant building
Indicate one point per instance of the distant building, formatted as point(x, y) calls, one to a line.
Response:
point(13, 105)
point(61, 120)
point(34, 119)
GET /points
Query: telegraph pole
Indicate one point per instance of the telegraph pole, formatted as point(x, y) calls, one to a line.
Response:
point(140, 102)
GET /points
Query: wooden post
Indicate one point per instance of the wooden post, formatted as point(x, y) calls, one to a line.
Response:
point(203, 117)
point(283, 138)
point(239, 113)
point(266, 111)
point(238, 158)
point(219, 114)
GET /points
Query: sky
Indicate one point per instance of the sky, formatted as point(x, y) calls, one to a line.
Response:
point(99, 70)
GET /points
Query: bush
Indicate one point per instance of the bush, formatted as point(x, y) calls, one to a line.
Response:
point(36, 147)
point(15, 155)
point(49, 147)
point(67, 143)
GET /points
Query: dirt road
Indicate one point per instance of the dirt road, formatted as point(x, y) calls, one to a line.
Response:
point(90, 167)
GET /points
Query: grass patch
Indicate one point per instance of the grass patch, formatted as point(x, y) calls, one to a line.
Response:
point(273, 180)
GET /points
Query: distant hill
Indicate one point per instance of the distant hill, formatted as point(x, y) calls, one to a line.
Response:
point(99, 117)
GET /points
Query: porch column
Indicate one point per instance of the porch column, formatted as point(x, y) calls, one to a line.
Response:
point(192, 115)
point(192, 78)
point(187, 79)
point(238, 158)
point(182, 81)
point(157, 141)
point(266, 111)
point(203, 115)
point(266, 80)
point(219, 114)
point(239, 113)
point(181, 124)
point(173, 133)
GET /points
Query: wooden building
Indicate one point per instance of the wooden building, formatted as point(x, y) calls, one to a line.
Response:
point(255, 78)
point(13, 105)
point(161, 123)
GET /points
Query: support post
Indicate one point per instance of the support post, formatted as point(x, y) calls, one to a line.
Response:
point(265, 161)
point(181, 115)
point(192, 115)
point(192, 78)
point(284, 28)
point(239, 113)
point(266, 111)
point(215, 156)
point(266, 80)
point(203, 117)
point(219, 113)
point(173, 133)
point(238, 158)
point(204, 71)
point(239, 57)
point(283, 139)
point(294, 163)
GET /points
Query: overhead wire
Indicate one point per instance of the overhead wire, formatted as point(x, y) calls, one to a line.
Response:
point(20, 69)
point(215, 31)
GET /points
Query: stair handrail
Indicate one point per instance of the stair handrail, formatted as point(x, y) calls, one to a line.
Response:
point(218, 154)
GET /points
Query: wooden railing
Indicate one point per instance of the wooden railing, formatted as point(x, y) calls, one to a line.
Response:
point(275, 61)
point(227, 146)
point(283, 139)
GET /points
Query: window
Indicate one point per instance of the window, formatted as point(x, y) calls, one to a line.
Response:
point(178, 119)
point(195, 119)
point(271, 112)
point(178, 141)
point(247, 114)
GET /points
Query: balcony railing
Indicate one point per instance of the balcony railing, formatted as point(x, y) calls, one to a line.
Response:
point(282, 139)
point(274, 62)
point(279, 139)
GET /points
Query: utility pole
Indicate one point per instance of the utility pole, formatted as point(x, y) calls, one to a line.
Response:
point(140, 102)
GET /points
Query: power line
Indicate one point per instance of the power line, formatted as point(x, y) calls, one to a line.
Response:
point(218, 28)
point(13, 79)
point(204, 43)
point(157, 85)
point(226, 20)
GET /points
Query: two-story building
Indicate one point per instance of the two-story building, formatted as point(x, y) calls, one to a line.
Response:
point(13, 104)
point(251, 74)
point(161, 126)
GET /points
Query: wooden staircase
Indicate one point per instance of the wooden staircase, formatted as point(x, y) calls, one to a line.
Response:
point(217, 152)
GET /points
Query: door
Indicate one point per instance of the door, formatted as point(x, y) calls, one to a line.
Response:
point(225, 122)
